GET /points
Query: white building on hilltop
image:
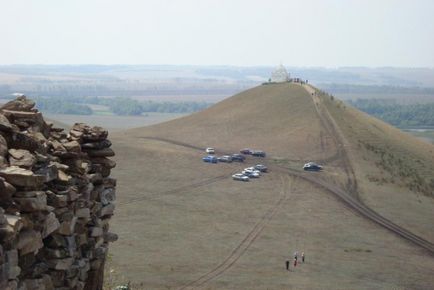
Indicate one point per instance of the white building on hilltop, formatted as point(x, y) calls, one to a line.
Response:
point(280, 75)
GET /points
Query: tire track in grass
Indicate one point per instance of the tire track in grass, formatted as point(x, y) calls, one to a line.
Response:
point(244, 245)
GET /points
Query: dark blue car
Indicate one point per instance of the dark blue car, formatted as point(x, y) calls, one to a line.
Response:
point(238, 157)
point(210, 159)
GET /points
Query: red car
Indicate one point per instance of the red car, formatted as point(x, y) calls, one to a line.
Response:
point(246, 151)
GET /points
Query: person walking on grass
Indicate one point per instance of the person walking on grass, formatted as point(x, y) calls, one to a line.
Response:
point(302, 257)
point(295, 262)
point(296, 255)
point(287, 265)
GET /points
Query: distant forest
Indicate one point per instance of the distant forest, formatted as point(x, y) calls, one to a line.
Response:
point(118, 106)
point(375, 89)
point(404, 116)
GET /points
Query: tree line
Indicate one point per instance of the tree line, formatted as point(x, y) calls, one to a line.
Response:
point(119, 106)
point(409, 115)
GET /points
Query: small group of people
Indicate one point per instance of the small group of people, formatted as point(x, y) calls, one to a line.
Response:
point(287, 262)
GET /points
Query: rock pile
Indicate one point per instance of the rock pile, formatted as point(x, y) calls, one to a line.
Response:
point(56, 200)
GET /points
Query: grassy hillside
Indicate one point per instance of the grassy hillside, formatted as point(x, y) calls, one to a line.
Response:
point(185, 224)
point(279, 118)
point(395, 171)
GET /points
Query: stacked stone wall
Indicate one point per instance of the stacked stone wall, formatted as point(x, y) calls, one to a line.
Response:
point(56, 200)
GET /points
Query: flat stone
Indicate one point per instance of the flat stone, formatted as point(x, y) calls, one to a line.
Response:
point(60, 264)
point(21, 158)
point(22, 177)
point(51, 224)
point(72, 146)
point(63, 177)
point(96, 232)
point(77, 165)
point(57, 200)
point(104, 162)
point(82, 213)
point(15, 222)
point(76, 134)
point(107, 152)
point(26, 193)
point(30, 204)
point(67, 227)
point(29, 241)
point(107, 210)
point(97, 145)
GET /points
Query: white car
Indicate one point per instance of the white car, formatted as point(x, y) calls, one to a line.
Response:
point(253, 170)
point(240, 177)
point(210, 150)
point(251, 174)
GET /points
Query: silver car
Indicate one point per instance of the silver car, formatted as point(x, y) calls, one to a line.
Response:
point(240, 177)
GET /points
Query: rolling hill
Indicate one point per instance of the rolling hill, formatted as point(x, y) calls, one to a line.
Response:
point(364, 222)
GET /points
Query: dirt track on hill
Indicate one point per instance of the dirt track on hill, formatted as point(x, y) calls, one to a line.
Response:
point(333, 130)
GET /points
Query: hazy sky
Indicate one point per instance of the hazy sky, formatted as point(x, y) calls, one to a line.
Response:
point(327, 33)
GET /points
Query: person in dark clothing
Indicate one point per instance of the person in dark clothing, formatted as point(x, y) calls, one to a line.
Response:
point(295, 263)
point(287, 265)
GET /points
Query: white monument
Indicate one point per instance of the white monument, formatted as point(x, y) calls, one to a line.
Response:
point(280, 75)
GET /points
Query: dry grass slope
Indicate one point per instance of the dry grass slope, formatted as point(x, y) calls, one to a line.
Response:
point(183, 222)
point(395, 171)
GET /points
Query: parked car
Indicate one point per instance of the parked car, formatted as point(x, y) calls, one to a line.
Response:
point(261, 167)
point(225, 158)
point(252, 169)
point(250, 173)
point(210, 150)
point(258, 153)
point(312, 166)
point(238, 157)
point(210, 159)
point(246, 151)
point(240, 177)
